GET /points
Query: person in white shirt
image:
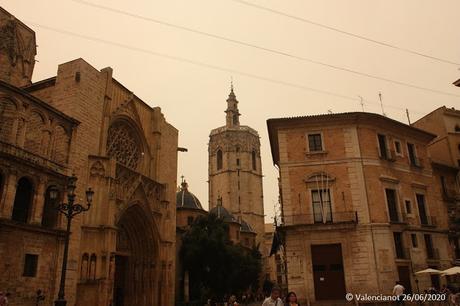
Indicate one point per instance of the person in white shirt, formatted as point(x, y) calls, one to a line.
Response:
point(398, 290)
point(274, 298)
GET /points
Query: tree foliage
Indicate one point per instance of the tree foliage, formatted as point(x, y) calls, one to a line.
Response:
point(216, 266)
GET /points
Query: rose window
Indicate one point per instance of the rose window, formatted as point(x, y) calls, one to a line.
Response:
point(123, 145)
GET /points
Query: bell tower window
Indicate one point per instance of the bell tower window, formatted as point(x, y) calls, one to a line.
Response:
point(219, 159)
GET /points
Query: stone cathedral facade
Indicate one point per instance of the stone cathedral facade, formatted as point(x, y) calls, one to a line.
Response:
point(235, 170)
point(82, 121)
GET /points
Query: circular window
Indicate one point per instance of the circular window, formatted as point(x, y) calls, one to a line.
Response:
point(123, 144)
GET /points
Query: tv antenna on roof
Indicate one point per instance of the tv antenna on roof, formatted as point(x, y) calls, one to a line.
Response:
point(381, 104)
point(361, 102)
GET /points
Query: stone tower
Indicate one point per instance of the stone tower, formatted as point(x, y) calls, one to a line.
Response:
point(18, 50)
point(235, 169)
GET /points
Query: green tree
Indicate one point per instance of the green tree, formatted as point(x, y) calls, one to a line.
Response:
point(216, 266)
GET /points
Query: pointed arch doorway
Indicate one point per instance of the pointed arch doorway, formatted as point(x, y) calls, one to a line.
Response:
point(136, 259)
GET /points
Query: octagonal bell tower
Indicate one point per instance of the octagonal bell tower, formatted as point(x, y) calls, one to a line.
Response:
point(235, 169)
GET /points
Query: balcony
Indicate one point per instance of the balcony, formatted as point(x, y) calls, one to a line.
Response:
point(335, 219)
point(387, 154)
point(416, 162)
point(402, 253)
point(450, 195)
point(432, 254)
point(428, 221)
point(31, 158)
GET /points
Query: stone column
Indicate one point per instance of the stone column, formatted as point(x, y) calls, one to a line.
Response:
point(10, 193)
point(21, 132)
point(38, 203)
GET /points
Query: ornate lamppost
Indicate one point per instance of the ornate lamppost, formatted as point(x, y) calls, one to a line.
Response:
point(69, 210)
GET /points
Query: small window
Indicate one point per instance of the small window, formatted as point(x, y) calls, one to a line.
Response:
point(398, 149)
point(408, 206)
point(383, 150)
point(414, 161)
point(189, 220)
point(237, 162)
point(443, 185)
point(30, 265)
point(413, 237)
point(219, 159)
point(315, 143)
point(457, 128)
point(254, 160)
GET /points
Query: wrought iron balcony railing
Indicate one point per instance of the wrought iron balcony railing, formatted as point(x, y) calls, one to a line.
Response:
point(403, 253)
point(416, 162)
point(432, 254)
point(428, 221)
point(344, 217)
point(24, 155)
point(450, 195)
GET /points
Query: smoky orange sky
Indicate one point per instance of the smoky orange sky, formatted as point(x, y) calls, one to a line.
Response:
point(193, 96)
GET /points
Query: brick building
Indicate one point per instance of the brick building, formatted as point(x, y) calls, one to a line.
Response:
point(445, 154)
point(359, 207)
point(82, 121)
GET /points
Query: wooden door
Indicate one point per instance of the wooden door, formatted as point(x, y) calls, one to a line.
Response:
point(404, 278)
point(328, 272)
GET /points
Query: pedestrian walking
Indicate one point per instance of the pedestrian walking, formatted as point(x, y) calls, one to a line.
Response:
point(274, 298)
point(398, 291)
point(232, 301)
point(4, 299)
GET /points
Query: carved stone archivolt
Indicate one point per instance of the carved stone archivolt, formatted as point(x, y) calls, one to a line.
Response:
point(129, 181)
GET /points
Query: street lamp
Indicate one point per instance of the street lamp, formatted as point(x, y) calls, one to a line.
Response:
point(69, 210)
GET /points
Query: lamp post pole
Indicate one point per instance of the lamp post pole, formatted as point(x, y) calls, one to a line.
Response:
point(69, 210)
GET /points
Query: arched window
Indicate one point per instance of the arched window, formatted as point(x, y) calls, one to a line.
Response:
point(123, 144)
point(61, 145)
point(84, 266)
point(7, 113)
point(219, 159)
point(50, 213)
point(254, 160)
point(92, 267)
point(235, 119)
point(22, 200)
point(34, 133)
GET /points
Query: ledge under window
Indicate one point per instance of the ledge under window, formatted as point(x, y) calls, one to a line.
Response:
point(310, 153)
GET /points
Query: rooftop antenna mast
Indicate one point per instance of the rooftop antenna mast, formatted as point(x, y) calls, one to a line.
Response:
point(381, 104)
point(361, 102)
point(408, 116)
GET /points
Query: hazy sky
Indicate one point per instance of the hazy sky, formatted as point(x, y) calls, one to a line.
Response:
point(193, 97)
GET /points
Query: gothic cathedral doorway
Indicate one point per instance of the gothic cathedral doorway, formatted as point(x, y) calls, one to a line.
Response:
point(135, 280)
